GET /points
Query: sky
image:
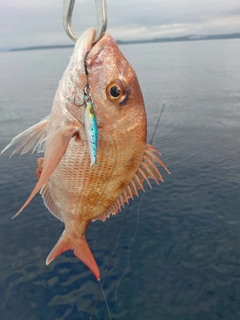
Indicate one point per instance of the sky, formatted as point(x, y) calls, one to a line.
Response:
point(26, 23)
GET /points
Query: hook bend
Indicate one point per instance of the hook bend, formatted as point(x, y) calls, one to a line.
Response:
point(101, 13)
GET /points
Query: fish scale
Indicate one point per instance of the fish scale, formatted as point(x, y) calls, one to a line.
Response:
point(86, 177)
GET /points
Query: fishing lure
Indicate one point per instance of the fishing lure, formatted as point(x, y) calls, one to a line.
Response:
point(91, 131)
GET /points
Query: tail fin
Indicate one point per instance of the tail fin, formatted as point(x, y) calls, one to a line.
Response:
point(81, 250)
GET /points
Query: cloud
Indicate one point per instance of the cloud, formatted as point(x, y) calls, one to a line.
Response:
point(38, 22)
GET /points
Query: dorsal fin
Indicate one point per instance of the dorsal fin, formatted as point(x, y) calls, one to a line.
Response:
point(147, 169)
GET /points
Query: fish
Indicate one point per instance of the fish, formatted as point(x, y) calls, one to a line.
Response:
point(73, 189)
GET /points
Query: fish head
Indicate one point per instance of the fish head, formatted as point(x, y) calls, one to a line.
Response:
point(117, 97)
point(115, 91)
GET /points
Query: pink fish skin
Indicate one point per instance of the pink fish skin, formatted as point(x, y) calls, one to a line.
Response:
point(72, 190)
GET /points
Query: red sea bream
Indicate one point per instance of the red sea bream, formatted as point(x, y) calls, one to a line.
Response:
point(73, 190)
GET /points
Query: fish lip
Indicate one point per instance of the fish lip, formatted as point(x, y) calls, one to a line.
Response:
point(98, 47)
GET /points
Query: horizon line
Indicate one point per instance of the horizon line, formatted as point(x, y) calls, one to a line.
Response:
point(191, 37)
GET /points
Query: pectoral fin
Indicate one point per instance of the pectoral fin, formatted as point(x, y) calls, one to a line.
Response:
point(34, 138)
point(57, 144)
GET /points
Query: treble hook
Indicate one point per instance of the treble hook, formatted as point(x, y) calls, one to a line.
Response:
point(101, 13)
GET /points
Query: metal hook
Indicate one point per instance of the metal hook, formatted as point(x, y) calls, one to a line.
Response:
point(101, 13)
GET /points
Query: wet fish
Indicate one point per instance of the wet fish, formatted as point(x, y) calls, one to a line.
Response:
point(72, 190)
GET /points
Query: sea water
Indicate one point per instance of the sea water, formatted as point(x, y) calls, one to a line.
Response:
point(184, 260)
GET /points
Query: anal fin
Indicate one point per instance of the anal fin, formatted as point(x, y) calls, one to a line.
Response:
point(80, 248)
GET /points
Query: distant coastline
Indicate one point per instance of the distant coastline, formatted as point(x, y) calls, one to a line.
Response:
point(172, 39)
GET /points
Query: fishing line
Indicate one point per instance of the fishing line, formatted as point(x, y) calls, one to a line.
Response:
point(129, 247)
point(111, 258)
point(128, 253)
point(87, 89)
point(118, 237)
point(158, 120)
point(138, 215)
point(104, 296)
point(85, 65)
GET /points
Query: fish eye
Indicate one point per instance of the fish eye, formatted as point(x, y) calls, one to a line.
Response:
point(116, 91)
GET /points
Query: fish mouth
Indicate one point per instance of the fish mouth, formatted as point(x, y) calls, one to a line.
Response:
point(94, 55)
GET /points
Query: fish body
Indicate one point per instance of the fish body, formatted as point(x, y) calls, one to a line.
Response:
point(74, 191)
point(91, 131)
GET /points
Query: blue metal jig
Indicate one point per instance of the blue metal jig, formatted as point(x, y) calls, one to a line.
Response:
point(91, 131)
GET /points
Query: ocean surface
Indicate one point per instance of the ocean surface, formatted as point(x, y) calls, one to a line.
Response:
point(177, 248)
